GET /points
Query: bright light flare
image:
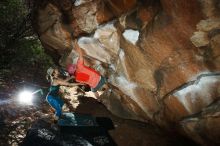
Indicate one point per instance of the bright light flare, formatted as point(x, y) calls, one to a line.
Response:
point(25, 97)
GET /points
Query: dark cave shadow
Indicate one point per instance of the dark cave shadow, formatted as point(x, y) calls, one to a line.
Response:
point(88, 102)
point(176, 139)
point(89, 105)
point(106, 123)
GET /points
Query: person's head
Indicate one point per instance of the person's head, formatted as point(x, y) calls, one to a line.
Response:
point(55, 73)
point(71, 68)
point(52, 73)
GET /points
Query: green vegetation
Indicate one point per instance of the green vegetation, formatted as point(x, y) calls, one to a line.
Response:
point(21, 51)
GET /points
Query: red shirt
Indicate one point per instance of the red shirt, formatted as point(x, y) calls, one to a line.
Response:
point(86, 75)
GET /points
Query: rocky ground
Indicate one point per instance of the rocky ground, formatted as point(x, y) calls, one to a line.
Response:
point(16, 119)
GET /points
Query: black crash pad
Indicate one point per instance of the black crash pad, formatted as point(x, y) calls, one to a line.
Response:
point(86, 126)
point(73, 130)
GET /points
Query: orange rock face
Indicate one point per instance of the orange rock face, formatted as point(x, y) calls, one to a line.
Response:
point(162, 58)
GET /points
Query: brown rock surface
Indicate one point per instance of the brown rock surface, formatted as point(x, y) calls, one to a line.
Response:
point(153, 52)
point(204, 127)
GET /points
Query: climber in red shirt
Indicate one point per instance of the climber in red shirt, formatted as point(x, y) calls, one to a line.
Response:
point(84, 74)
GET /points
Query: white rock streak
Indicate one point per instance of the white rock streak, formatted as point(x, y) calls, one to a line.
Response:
point(126, 86)
point(131, 35)
point(121, 54)
point(80, 2)
point(201, 90)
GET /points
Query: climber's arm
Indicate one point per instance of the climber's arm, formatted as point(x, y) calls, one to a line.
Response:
point(65, 83)
point(69, 78)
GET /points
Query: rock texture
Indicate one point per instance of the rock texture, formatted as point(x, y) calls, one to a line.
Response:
point(162, 58)
point(204, 127)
